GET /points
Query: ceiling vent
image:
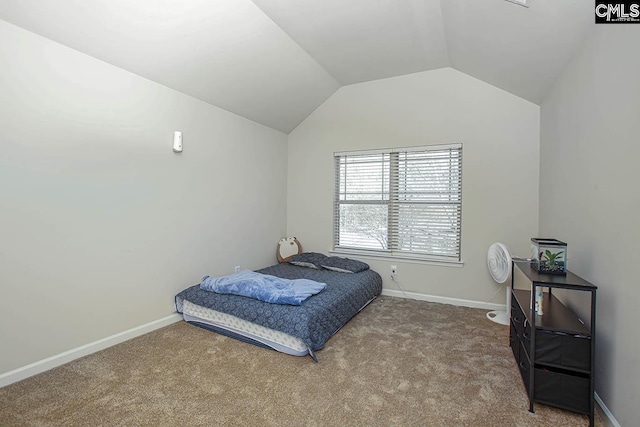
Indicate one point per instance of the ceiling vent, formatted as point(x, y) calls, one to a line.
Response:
point(520, 2)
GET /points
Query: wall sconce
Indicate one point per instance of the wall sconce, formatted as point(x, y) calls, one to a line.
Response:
point(177, 142)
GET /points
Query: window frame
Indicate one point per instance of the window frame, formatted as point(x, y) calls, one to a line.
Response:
point(393, 204)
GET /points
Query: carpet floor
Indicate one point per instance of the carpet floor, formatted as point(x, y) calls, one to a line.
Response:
point(400, 362)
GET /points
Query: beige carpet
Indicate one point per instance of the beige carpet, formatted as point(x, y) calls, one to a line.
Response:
point(398, 363)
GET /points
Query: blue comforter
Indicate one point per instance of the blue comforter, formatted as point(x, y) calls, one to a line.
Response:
point(315, 321)
point(272, 289)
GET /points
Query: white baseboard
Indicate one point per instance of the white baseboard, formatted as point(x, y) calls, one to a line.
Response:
point(611, 420)
point(84, 350)
point(444, 300)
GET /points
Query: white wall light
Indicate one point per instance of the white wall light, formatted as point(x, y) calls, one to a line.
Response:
point(177, 142)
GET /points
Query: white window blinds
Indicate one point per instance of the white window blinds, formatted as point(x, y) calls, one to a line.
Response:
point(400, 201)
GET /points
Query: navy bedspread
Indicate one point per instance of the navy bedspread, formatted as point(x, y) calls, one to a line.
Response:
point(315, 321)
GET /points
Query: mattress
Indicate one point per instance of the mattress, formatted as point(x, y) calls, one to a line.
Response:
point(238, 328)
point(311, 323)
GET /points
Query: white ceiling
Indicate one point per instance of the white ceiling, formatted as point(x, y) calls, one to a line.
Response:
point(362, 40)
point(275, 61)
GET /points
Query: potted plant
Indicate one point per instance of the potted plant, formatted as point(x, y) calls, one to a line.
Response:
point(550, 259)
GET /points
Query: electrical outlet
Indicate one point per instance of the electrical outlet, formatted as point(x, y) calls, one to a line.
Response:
point(394, 269)
point(237, 268)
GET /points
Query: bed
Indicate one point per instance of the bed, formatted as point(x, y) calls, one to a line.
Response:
point(293, 329)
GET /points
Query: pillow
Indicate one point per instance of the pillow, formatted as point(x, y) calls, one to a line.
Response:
point(308, 259)
point(344, 265)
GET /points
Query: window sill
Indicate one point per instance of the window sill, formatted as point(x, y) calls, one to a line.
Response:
point(389, 257)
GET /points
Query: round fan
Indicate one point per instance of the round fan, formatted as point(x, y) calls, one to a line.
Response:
point(499, 262)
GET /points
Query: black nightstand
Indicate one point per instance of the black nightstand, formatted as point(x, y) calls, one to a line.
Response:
point(557, 361)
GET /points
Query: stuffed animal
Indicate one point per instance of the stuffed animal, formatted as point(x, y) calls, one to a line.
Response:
point(287, 248)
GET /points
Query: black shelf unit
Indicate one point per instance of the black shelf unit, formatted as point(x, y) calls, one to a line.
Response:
point(557, 361)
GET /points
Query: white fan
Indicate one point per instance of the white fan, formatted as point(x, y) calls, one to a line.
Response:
point(499, 262)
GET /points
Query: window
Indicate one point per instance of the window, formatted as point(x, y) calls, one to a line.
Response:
point(400, 202)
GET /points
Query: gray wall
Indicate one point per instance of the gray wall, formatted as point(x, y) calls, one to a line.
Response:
point(98, 214)
point(102, 224)
point(500, 137)
point(589, 198)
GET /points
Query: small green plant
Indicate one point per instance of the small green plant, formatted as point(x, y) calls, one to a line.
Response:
point(552, 257)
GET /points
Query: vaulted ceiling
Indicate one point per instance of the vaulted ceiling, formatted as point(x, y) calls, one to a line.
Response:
point(275, 61)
